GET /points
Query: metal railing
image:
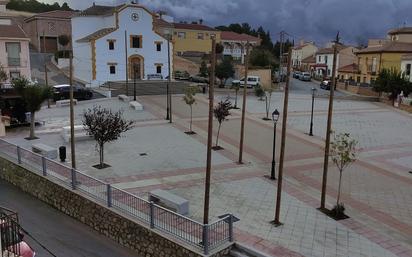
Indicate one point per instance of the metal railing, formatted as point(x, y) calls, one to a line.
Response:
point(203, 237)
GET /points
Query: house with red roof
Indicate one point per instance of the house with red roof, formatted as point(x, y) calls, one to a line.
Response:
point(301, 52)
point(234, 44)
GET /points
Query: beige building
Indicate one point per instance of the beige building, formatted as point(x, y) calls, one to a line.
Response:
point(43, 29)
point(302, 51)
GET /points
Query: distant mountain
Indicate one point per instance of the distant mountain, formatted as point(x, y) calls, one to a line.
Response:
point(36, 7)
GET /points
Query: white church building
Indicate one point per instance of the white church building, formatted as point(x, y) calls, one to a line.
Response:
point(112, 42)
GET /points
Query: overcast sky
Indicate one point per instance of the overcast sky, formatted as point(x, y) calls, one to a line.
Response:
point(316, 20)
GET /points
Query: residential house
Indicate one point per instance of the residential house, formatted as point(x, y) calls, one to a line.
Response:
point(3, 4)
point(103, 34)
point(234, 44)
point(307, 64)
point(346, 73)
point(406, 64)
point(44, 29)
point(324, 60)
point(14, 52)
point(194, 38)
point(302, 51)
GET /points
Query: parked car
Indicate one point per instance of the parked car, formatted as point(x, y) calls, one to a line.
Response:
point(296, 74)
point(198, 79)
point(182, 75)
point(62, 92)
point(252, 81)
point(305, 76)
point(325, 84)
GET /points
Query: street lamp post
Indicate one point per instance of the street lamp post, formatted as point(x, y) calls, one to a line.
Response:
point(311, 115)
point(275, 118)
point(168, 80)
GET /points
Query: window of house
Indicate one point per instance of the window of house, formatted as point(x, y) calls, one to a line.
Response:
point(14, 75)
point(111, 45)
point(326, 59)
point(136, 41)
point(364, 79)
point(358, 79)
point(181, 34)
point(112, 69)
point(200, 36)
point(408, 69)
point(158, 47)
point(374, 62)
point(159, 69)
point(328, 72)
point(212, 35)
point(13, 53)
point(320, 58)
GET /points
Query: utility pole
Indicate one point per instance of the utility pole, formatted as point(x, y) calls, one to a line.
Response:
point(72, 139)
point(127, 63)
point(242, 124)
point(329, 125)
point(209, 134)
point(168, 80)
point(276, 222)
point(45, 68)
point(282, 38)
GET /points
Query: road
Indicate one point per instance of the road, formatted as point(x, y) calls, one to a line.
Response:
point(305, 87)
point(64, 236)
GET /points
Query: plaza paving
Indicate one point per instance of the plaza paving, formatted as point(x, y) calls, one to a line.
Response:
point(376, 189)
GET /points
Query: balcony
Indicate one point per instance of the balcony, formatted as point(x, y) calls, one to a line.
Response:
point(13, 62)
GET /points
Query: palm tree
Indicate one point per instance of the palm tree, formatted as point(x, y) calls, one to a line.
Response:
point(33, 96)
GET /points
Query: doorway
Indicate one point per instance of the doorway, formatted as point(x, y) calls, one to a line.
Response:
point(136, 64)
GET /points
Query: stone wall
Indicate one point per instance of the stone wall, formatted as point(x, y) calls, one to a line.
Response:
point(141, 238)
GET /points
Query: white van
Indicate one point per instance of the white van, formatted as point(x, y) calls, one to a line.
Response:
point(252, 81)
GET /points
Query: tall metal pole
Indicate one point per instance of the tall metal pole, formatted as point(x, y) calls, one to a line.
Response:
point(273, 170)
point(282, 35)
point(329, 125)
point(283, 143)
point(72, 139)
point(209, 134)
point(311, 115)
point(242, 124)
point(126, 62)
point(45, 68)
point(168, 80)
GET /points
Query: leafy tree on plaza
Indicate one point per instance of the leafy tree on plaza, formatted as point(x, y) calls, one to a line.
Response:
point(105, 126)
point(393, 82)
point(260, 57)
point(203, 70)
point(259, 92)
point(268, 98)
point(221, 111)
point(64, 40)
point(33, 96)
point(225, 69)
point(3, 75)
point(189, 99)
point(343, 153)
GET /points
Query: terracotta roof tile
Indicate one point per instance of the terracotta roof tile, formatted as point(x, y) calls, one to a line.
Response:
point(229, 35)
point(12, 31)
point(349, 68)
point(99, 10)
point(310, 59)
point(404, 30)
point(193, 26)
point(391, 47)
point(53, 14)
point(95, 35)
point(329, 50)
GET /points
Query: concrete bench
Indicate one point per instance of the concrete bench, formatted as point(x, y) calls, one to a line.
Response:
point(170, 201)
point(66, 102)
point(136, 105)
point(45, 150)
point(80, 133)
point(123, 98)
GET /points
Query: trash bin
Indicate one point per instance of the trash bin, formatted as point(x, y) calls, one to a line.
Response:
point(62, 153)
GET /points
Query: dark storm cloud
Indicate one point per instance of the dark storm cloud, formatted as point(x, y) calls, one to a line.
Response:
point(316, 20)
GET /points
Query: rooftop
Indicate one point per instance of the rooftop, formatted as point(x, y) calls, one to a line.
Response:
point(233, 36)
point(191, 26)
point(349, 68)
point(404, 30)
point(391, 47)
point(310, 59)
point(329, 50)
point(52, 14)
point(12, 31)
point(99, 10)
point(95, 35)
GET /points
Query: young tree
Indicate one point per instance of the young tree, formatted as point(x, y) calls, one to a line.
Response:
point(221, 111)
point(189, 99)
point(225, 70)
point(203, 70)
point(64, 40)
point(268, 98)
point(343, 153)
point(259, 92)
point(3, 75)
point(105, 126)
point(393, 82)
point(236, 87)
point(33, 97)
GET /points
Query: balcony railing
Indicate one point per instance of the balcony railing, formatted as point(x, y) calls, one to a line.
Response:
point(13, 62)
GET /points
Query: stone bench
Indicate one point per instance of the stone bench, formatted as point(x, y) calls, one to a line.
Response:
point(123, 98)
point(170, 201)
point(80, 133)
point(66, 102)
point(136, 105)
point(45, 150)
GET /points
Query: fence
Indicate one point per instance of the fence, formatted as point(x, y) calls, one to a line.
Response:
point(203, 237)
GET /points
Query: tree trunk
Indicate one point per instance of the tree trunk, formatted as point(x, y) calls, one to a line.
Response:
point(32, 124)
point(340, 182)
point(267, 107)
point(101, 155)
point(217, 136)
point(236, 99)
point(191, 118)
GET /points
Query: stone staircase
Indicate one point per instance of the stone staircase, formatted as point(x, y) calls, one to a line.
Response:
point(244, 251)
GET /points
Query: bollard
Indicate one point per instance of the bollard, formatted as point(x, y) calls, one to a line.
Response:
point(73, 179)
point(109, 195)
point(230, 228)
point(19, 154)
point(151, 205)
point(43, 162)
point(206, 239)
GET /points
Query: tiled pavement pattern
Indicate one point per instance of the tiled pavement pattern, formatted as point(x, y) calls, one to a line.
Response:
point(376, 189)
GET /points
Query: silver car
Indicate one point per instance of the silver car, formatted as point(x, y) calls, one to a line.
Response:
point(305, 76)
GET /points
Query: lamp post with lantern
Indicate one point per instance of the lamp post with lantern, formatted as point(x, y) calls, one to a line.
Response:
point(275, 118)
